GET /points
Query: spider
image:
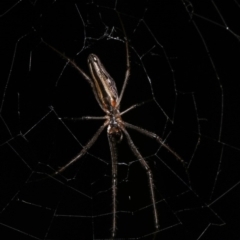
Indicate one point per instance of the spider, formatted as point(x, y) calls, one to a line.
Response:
point(106, 94)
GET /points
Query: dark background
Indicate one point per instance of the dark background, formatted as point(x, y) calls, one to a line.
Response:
point(184, 60)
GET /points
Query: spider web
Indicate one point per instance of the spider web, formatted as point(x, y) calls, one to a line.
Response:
point(184, 67)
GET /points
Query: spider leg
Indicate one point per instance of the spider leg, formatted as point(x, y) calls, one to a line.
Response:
point(85, 148)
point(69, 60)
point(158, 139)
point(85, 118)
point(134, 106)
point(85, 76)
point(148, 171)
point(112, 145)
point(127, 73)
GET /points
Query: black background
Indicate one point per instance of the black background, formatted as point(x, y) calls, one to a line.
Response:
point(183, 59)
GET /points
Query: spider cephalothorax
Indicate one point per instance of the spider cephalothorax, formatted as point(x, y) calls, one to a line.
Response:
point(114, 128)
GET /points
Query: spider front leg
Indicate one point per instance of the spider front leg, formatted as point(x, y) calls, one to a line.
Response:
point(149, 174)
point(112, 145)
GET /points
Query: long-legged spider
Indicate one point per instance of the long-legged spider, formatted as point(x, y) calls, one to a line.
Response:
point(106, 94)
